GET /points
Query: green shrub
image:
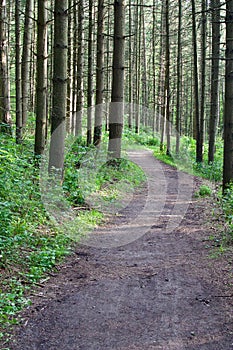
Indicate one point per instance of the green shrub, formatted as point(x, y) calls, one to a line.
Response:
point(204, 191)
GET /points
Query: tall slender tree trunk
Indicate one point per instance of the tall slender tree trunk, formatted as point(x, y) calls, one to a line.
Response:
point(26, 60)
point(117, 99)
point(32, 64)
point(214, 103)
point(74, 68)
point(196, 86)
point(78, 127)
point(155, 117)
point(69, 70)
point(144, 65)
point(167, 78)
point(203, 77)
point(228, 113)
point(56, 155)
point(5, 117)
point(41, 79)
point(18, 90)
point(161, 88)
point(130, 115)
point(99, 74)
point(90, 74)
point(136, 65)
point(178, 87)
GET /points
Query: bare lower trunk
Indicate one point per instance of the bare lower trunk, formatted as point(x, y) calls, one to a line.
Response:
point(56, 156)
point(116, 106)
point(5, 117)
point(41, 80)
point(99, 74)
point(228, 114)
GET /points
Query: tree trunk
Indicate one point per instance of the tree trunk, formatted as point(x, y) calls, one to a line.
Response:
point(18, 90)
point(74, 68)
point(130, 115)
point(167, 78)
point(196, 86)
point(178, 88)
point(90, 74)
point(117, 99)
point(136, 56)
point(155, 116)
point(5, 117)
point(78, 127)
point(41, 79)
point(228, 113)
point(144, 65)
point(203, 77)
point(69, 70)
point(99, 74)
point(56, 155)
point(26, 60)
point(162, 77)
point(214, 104)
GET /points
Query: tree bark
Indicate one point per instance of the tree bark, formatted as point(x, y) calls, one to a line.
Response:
point(130, 115)
point(167, 78)
point(25, 71)
point(214, 104)
point(69, 70)
point(41, 79)
point(228, 113)
point(56, 155)
point(203, 77)
point(117, 98)
point(74, 68)
point(196, 86)
point(18, 90)
point(178, 87)
point(99, 75)
point(90, 74)
point(78, 127)
point(5, 117)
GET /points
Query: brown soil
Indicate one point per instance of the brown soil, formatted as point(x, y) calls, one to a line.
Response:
point(161, 291)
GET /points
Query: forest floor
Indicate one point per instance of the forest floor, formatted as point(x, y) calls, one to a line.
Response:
point(147, 280)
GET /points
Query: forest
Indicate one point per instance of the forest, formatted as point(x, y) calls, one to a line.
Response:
point(81, 80)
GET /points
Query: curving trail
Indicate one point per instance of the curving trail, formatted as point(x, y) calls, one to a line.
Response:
point(143, 282)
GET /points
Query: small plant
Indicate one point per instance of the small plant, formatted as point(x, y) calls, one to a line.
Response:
point(204, 191)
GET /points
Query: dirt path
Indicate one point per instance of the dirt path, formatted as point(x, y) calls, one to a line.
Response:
point(159, 290)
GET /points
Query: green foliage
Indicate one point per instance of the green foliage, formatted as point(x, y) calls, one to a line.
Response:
point(120, 169)
point(227, 207)
point(204, 191)
point(213, 171)
point(72, 165)
point(143, 138)
point(29, 245)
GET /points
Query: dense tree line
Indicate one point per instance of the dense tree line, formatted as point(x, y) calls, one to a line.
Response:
point(61, 58)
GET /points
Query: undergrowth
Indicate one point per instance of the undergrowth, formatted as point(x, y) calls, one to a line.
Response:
point(29, 243)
